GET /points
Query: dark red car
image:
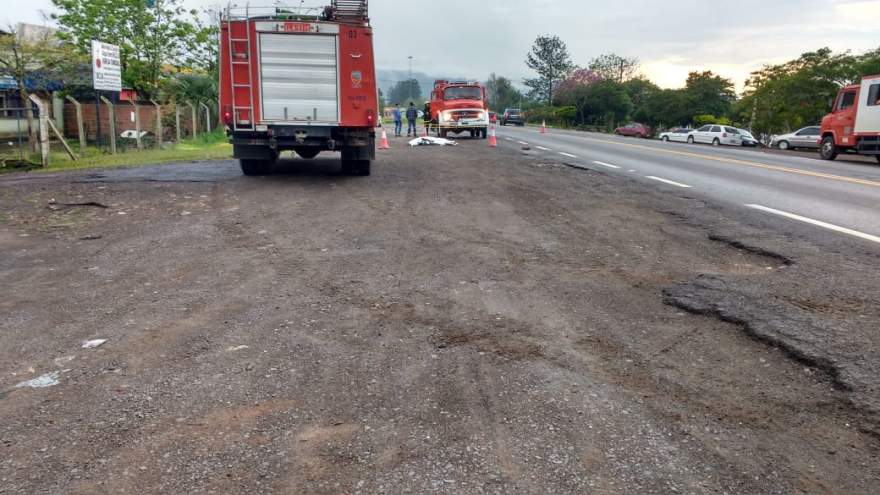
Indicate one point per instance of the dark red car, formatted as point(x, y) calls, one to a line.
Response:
point(634, 130)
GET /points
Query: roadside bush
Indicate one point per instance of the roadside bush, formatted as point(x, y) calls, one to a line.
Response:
point(701, 120)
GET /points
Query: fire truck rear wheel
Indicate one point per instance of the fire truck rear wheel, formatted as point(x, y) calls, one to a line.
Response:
point(307, 153)
point(484, 133)
point(256, 167)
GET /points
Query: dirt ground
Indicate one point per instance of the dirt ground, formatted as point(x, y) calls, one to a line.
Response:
point(465, 320)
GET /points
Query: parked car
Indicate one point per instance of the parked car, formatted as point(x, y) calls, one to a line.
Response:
point(678, 134)
point(512, 116)
point(716, 135)
point(808, 137)
point(748, 139)
point(634, 130)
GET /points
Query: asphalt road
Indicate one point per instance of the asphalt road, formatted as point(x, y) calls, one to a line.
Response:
point(466, 320)
point(804, 190)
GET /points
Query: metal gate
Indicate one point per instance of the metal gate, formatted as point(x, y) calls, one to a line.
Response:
point(299, 78)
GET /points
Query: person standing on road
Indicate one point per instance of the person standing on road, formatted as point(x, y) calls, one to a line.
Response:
point(398, 120)
point(427, 118)
point(412, 116)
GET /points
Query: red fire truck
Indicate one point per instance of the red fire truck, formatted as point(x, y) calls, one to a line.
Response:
point(460, 106)
point(853, 126)
point(299, 79)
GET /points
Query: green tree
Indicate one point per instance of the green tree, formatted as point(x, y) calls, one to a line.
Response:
point(550, 59)
point(502, 94)
point(150, 34)
point(640, 90)
point(783, 97)
point(665, 108)
point(34, 61)
point(706, 93)
point(404, 92)
point(613, 67)
point(604, 103)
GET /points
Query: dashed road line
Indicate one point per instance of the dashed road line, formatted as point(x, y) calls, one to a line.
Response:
point(509, 139)
point(766, 166)
point(568, 155)
point(605, 164)
point(670, 182)
point(543, 148)
point(523, 143)
point(817, 223)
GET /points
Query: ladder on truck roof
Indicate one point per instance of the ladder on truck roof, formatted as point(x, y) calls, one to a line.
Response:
point(350, 10)
point(235, 61)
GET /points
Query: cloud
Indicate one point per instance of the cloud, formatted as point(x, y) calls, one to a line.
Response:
point(472, 39)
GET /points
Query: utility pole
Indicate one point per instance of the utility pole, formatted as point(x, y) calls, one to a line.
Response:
point(409, 82)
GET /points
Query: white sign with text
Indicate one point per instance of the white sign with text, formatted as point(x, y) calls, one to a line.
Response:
point(106, 67)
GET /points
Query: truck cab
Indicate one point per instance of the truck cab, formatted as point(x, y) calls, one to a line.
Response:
point(853, 126)
point(459, 106)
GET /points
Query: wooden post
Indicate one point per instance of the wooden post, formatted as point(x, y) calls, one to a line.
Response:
point(195, 116)
point(177, 120)
point(79, 123)
point(207, 116)
point(112, 118)
point(63, 141)
point(137, 125)
point(158, 123)
point(44, 130)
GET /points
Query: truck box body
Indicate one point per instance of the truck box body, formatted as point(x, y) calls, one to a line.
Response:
point(853, 126)
point(293, 84)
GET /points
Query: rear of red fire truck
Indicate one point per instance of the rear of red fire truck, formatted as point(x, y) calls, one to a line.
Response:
point(301, 79)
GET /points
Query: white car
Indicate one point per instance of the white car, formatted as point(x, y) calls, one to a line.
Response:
point(716, 135)
point(679, 135)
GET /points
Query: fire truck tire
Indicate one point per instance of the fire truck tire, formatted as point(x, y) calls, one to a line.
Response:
point(484, 133)
point(307, 153)
point(444, 133)
point(828, 150)
point(256, 167)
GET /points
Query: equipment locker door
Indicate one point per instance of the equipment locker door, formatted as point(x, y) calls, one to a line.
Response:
point(299, 78)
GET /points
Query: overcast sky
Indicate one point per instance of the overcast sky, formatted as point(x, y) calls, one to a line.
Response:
point(471, 38)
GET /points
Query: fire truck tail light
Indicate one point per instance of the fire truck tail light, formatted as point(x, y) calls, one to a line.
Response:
point(371, 116)
point(227, 116)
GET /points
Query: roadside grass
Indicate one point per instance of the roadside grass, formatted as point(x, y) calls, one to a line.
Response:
point(212, 146)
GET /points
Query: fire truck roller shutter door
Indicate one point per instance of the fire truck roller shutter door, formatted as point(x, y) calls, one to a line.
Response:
point(299, 77)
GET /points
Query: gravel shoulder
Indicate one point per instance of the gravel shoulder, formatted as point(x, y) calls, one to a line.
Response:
point(465, 320)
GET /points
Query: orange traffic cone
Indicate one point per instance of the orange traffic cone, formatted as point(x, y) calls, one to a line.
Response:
point(544, 127)
point(493, 142)
point(383, 143)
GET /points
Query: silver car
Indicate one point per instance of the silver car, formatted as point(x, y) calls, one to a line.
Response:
point(808, 137)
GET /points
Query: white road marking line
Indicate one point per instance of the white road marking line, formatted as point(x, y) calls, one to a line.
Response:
point(523, 143)
point(509, 139)
point(568, 155)
point(818, 223)
point(605, 164)
point(543, 148)
point(667, 181)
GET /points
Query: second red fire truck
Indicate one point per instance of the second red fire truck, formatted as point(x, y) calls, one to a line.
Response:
point(459, 106)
